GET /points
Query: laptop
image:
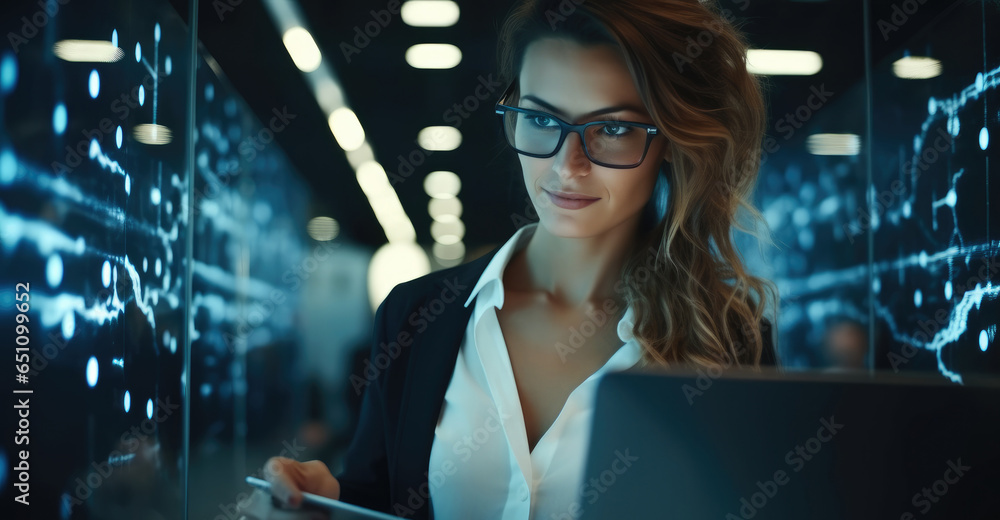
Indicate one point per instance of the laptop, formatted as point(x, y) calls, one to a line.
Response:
point(769, 445)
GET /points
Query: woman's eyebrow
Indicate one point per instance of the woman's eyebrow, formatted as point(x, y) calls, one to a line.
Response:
point(553, 109)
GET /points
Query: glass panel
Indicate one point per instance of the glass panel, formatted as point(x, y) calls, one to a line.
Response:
point(104, 223)
point(810, 186)
point(249, 264)
point(935, 74)
point(93, 215)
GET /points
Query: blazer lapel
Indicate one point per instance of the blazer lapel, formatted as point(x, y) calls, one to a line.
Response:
point(432, 358)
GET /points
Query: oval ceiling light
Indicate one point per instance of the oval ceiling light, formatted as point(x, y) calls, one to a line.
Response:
point(87, 51)
point(780, 62)
point(323, 229)
point(834, 144)
point(445, 210)
point(433, 56)
point(916, 67)
point(439, 138)
point(392, 264)
point(430, 13)
point(449, 251)
point(371, 177)
point(448, 233)
point(152, 134)
point(442, 184)
point(302, 48)
point(347, 129)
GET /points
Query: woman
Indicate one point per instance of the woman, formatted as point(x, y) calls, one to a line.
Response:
point(638, 130)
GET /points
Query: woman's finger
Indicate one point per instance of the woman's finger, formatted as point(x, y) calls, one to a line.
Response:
point(289, 478)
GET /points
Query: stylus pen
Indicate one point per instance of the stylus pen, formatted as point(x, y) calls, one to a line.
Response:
point(317, 500)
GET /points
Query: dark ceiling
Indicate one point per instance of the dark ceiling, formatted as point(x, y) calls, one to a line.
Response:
point(394, 101)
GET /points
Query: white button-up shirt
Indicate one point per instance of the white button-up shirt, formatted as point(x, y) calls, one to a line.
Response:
point(480, 464)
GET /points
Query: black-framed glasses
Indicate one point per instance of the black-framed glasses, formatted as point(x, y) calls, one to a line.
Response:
point(608, 143)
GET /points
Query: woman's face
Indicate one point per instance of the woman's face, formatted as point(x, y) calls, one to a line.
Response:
point(569, 81)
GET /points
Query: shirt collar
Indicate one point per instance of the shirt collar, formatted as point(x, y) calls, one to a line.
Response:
point(493, 274)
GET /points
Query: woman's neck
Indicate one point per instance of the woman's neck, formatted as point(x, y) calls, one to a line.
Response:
point(576, 273)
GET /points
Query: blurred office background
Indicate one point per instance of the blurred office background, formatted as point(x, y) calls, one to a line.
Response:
point(207, 221)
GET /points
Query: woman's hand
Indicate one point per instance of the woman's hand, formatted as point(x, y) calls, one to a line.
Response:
point(289, 478)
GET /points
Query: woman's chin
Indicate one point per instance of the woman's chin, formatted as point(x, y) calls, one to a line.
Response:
point(566, 226)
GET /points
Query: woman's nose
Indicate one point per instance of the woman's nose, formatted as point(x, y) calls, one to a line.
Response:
point(571, 159)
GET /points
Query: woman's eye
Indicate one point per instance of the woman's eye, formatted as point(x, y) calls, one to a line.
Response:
point(541, 120)
point(615, 130)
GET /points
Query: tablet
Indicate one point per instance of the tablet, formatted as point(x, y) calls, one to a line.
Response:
point(338, 510)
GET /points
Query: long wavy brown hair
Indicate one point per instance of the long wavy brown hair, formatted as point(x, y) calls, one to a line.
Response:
point(694, 300)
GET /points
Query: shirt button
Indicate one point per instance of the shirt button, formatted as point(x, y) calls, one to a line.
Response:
point(524, 493)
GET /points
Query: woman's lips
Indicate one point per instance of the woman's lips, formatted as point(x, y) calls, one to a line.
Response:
point(568, 203)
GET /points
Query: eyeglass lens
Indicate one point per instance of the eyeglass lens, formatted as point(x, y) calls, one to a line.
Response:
point(615, 143)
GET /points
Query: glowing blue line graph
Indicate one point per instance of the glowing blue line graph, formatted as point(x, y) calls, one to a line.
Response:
point(801, 207)
point(956, 327)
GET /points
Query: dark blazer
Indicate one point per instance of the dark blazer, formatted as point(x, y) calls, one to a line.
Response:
point(417, 333)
